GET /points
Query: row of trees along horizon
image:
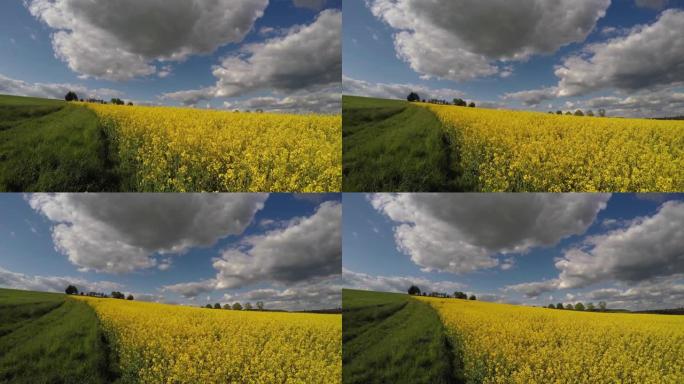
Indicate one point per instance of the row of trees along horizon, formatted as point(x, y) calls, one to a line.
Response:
point(602, 305)
point(237, 306)
point(72, 290)
point(415, 291)
point(72, 96)
point(415, 98)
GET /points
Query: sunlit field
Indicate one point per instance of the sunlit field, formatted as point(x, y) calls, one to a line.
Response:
point(527, 151)
point(515, 344)
point(159, 343)
point(178, 149)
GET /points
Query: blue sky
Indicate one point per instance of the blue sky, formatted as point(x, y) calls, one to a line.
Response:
point(519, 248)
point(69, 44)
point(612, 50)
point(273, 248)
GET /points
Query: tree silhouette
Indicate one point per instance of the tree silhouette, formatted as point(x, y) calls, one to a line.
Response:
point(414, 290)
point(71, 290)
point(71, 96)
point(413, 97)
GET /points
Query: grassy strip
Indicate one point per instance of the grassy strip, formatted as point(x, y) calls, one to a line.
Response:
point(391, 145)
point(49, 338)
point(51, 146)
point(392, 338)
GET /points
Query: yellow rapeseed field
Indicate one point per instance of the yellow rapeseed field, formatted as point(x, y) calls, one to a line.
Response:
point(537, 152)
point(180, 149)
point(515, 344)
point(158, 343)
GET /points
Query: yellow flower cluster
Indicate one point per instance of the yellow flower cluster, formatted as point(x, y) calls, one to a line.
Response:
point(181, 149)
point(536, 152)
point(515, 344)
point(158, 343)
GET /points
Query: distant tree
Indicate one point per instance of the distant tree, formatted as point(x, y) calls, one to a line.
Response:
point(579, 307)
point(603, 305)
point(118, 295)
point(559, 112)
point(472, 104)
point(260, 305)
point(569, 306)
point(208, 306)
point(413, 97)
point(460, 103)
point(71, 290)
point(237, 307)
point(590, 306)
point(248, 306)
point(80, 293)
point(414, 291)
point(460, 295)
point(130, 103)
point(568, 113)
point(552, 306)
point(602, 112)
point(472, 297)
point(559, 306)
point(579, 113)
point(71, 96)
point(227, 307)
point(590, 113)
point(117, 101)
point(423, 100)
point(217, 306)
point(259, 110)
point(130, 297)
point(81, 100)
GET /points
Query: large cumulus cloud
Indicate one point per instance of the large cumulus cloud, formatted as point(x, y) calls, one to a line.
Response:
point(465, 232)
point(465, 39)
point(124, 39)
point(118, 233)
point(306, 58)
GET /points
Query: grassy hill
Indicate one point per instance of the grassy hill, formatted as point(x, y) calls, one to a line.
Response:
point(393, 338)
point(50, 145)
point(391, 145)
point(49, 338)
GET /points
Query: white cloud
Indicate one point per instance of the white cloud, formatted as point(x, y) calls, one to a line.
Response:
point(15, 87)
point(650, 247)
point(307, 58)
point(124, 39)
point(464, 39)
point(355, 87)
point(309, 247)
point(327, 100)
point(656, 294)
point(461, 233)
point(118, 233)
point(191, 290)
point(647, 58)
point(14, 280)
point(324, 293)
point(660, 103)
point(401, 284)
point(532, 97)
point(640, 252)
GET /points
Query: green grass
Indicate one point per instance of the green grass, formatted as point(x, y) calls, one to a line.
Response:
point(50, 338)
point(392, 145)
point(393, 338)
point(53, 146)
